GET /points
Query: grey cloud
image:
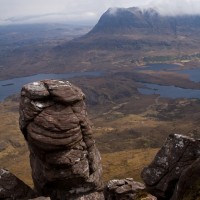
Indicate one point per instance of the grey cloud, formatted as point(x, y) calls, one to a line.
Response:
point(175, 7)
point(14, 11)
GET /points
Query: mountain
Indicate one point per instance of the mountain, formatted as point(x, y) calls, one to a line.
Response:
point(139, 30)
point(124, 35)
point(123, 20)
point(122, 38)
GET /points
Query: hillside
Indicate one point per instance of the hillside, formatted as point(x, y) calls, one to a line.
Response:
point(128, 127)
point(124, 35)
point(121, 40)
point(130, 20)
point(128, 130)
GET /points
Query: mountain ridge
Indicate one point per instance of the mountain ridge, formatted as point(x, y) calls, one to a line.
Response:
point(118, 18)
point(132, 34)
point(122, 38)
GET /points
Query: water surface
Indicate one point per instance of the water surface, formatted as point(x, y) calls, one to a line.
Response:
point(13, 86)
point(169, 91)
point(194, 74)
point(161, 67)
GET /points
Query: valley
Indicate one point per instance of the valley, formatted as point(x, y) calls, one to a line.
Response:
point(141, 82)
point(129, 127)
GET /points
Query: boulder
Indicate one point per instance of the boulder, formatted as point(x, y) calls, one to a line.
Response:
point(65, 161)
point(173, 160)
point(188, 186)
point(126, 189)
point(13, 188)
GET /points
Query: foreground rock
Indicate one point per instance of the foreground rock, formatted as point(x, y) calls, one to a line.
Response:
point(13, 188)
point(188, 186)
point(174, 168)
point(126, 189)
point(64, 159)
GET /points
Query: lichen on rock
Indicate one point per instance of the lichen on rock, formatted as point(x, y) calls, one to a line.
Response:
point(172, 161)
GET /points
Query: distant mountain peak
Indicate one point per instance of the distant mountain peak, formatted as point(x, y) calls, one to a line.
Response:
point(139, 31)
point(123, 19)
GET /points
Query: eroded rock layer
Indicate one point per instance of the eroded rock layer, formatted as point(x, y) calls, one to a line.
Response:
point(126, 189)
point(175, 168)
point(64, 159)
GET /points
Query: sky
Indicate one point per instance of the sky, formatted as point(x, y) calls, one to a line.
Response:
point(74, 11)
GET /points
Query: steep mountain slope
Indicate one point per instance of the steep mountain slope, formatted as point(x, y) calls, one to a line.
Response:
point(122, 20)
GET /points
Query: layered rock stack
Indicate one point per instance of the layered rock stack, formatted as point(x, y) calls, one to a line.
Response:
point(126, 189)
point(65, 161)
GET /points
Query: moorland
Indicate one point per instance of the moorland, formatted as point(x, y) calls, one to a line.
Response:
point(129, 126)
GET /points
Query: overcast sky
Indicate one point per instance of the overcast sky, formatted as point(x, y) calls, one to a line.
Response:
point(25, 11)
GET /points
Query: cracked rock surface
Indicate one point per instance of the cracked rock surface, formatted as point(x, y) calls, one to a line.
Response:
point(65, 161)
point(173, 167)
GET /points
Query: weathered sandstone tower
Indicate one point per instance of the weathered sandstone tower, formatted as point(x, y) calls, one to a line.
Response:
point(65, 161)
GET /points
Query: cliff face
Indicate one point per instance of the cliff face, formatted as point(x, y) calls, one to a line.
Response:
point(64, 159)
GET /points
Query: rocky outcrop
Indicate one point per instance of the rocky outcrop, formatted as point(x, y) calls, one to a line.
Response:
point(175, 166)
point(13, 188)
point(65, 161)
point(188, 185)
point(126, 189)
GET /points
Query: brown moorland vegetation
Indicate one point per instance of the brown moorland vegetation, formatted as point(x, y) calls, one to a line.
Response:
point(128, 131)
